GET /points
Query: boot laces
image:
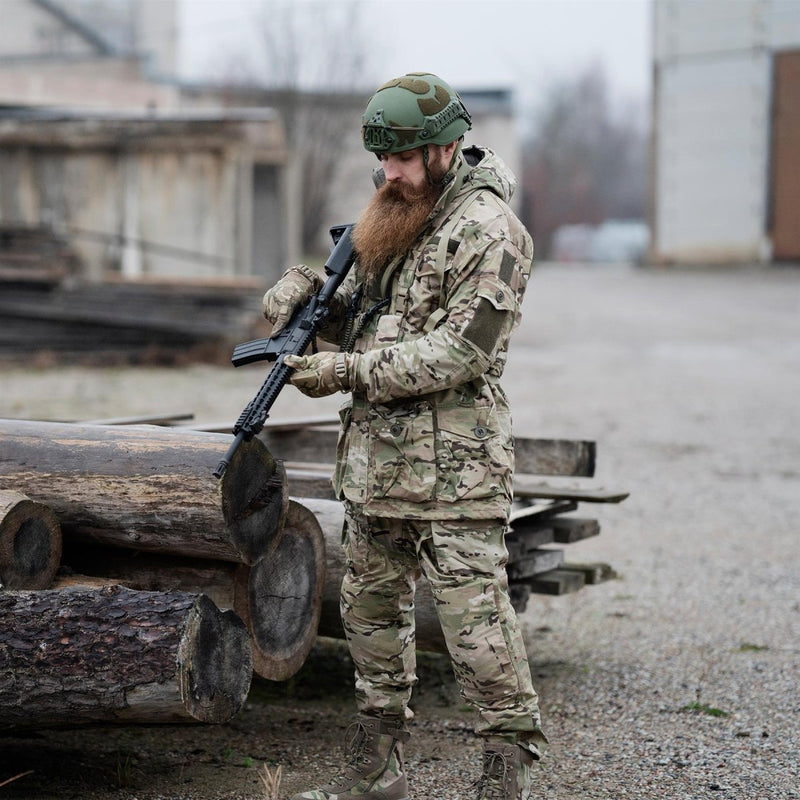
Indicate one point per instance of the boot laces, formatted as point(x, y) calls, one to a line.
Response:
point(355, 757)
point(355, 750)
point(492, 784)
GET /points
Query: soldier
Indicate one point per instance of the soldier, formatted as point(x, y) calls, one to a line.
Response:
point(425, 454)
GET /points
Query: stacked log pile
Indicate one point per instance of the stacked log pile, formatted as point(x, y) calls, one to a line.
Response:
point(189, 584)
point(149, 534)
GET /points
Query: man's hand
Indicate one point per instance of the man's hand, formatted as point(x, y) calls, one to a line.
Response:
point(292, 290)
point(321, 374)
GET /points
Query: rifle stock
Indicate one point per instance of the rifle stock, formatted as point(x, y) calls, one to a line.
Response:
point(293, 339)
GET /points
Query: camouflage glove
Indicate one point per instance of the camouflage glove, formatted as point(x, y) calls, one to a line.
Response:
point(321, 374)
point(292, 290)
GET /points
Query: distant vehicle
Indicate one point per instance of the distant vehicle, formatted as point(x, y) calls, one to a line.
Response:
point(618, 240)
point(572, 243)
point(612, 241)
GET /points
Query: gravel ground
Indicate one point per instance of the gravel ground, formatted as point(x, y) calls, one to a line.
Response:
point(678, 680)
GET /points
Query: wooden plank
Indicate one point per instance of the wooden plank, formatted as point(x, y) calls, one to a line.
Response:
point(593, 573)
point(556, 582)
point(534, 562)
point(568, 530)
point(521, 542)
point(289, 424)
point(528, 486)
point(306, 483)
point(164, 420)
point(555, 456)
point(539, 509)
point(313, 480)
point(314, 439)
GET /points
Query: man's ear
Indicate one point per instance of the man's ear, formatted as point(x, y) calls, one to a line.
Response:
point(449, 149)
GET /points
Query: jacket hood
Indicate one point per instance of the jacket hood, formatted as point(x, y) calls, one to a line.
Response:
point(479, 168)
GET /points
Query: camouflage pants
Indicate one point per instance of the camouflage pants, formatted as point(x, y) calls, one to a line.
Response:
point(464, 563)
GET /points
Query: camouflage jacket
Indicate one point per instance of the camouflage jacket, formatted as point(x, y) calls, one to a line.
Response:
point(427, 432)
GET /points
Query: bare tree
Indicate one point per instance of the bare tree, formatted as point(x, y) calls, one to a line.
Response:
point(312, 62)
point(583, 164)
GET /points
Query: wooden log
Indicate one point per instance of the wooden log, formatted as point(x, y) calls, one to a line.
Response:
point(279, 598)
point(527, 533)
point(30, 542)
point(117, 655)
point(149, 488)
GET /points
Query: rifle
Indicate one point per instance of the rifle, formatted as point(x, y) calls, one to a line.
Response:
point(293, 339)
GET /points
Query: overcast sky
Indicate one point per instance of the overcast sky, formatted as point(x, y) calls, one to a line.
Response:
point(522, 44)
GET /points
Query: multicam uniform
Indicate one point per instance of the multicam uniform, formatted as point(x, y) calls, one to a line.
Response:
point(425, 457)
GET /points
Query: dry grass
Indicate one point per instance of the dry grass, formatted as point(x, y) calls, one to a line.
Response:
point(271, 781)
point(21, 775)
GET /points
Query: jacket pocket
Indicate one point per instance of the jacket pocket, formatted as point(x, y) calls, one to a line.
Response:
point(473, 457)
point(350, 471)
point(402, 453)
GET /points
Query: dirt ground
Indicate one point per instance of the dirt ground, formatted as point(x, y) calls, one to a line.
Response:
point(678, 680)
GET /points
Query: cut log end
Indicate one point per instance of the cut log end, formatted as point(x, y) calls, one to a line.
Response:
point(30, 542)
point(255, 499)
point(280, 597)
point(214, 663)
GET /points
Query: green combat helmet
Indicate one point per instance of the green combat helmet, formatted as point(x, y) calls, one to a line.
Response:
point(411, 111)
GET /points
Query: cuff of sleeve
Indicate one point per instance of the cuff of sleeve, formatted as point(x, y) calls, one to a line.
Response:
point(346, 369)
point(343, 368)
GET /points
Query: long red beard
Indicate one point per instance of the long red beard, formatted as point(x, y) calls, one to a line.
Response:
point(390, 223)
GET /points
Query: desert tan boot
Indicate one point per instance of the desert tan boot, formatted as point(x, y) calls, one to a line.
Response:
point(373, 768)
point(506, 773)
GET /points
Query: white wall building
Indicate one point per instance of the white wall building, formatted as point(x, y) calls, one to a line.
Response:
point(726, 131)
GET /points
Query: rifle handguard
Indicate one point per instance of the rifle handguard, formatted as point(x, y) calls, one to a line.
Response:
point(293, 339)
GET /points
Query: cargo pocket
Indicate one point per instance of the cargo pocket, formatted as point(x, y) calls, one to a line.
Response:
point(472, 459)
point(350, 471)
point(402, 453)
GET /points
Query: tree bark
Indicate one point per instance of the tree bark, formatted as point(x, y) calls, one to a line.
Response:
point(117, 655)
point(30, 542)
point(149, 488)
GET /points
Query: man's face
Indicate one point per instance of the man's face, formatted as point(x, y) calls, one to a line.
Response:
point(401, 207)
point(409, 168)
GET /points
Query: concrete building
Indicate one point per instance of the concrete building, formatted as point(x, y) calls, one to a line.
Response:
point(726, 131)
point(87, 53)
point(95, 140)
point(173, 194)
